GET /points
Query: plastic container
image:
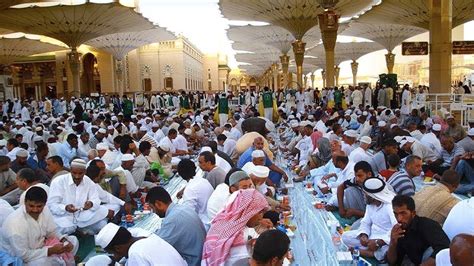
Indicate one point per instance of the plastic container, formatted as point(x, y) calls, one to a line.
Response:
point(356, 256)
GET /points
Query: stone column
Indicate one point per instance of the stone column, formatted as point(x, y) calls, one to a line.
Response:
point(285, 61)
point(323, 76)
point(328, 24)
point(305, 78)
point(275, 76)
point(390, 60)
point(312, 79)
point(290, 79)
point(119, 71)
point(75, 66)
point(440, 45)
point(298, 50)
point(354, 67)
point(336, 75)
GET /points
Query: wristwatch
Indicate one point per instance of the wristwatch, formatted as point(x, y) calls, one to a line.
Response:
point(377, 244)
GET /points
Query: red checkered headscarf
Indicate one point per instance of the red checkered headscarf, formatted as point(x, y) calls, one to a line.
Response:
point(227, 228)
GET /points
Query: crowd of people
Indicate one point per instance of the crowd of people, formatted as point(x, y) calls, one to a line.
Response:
point(74, 168)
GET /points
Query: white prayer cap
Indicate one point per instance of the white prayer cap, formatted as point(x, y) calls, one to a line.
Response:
point(310, 116)
point(155, 124)
point(164, 146)
point(102, 147)
point(106, 234)
point(147, 118)
point(377, 188)
point(436, 127)
point(18, 123)
point(37, 138)
point(114, 118)
point(470, 132)
point(258, 154)
point(405, 141)
point(371, 109)
point(366, 140)
point(449, 117)
point(38, 128)
point(260, 171)
point(269, 126)
point(348, 112)
point(99, 260)
point(169, 119)
point(291, 117)
point(393, 125)
point(143, 128)
point(110, 127)
point(206, 148)
point(3, 142)
point(364, 113)
point(127, 157)
point(102, 130)
point(382, 123)
point(22, 153)
point(188, 131)
point(351, 133)
point(294, 123)
point(78, 163)
point(304, 123)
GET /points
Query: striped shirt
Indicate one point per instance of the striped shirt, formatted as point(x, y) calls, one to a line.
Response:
point(402, 184)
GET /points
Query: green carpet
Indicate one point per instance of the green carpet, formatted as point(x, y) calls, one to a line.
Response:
point(86, 245)
point(343, 221)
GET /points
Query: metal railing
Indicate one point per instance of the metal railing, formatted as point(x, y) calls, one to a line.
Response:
point(438, 103)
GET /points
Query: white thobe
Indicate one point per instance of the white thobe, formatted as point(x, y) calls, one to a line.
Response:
point(305, 146)
point(64, 191)
point(5, 210)
point(196, 194)
point(25, 114)
point(109, 201)
point(131, 185)
point(347, 148)
point(359, 154)
point(417, 134)
point(300, 101)
point(17, 108)
point(169, 142)
point(357, 98)
point(217, 201)
point(229, 146)
point(368, 97)
point(222, 163)
point(180, 143)
point(431, 141)
point(406, 103)
point(143, 252)
point(23, 237)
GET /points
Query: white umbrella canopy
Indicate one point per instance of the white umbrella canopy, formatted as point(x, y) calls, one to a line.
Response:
point(388, 35)
point(76, 23)
point(120, 44)
point(16, 47)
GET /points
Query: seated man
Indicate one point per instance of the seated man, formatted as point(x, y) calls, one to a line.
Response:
point(373, 235)
point(112, 181)
point(181, 226)
point(458, 253)
point(350, 199)
point(27, 178)
point(8, 188)
point(276, 173)
point(346, 171)
point(271, 248)
point(402, 182)
point(30, 233)
point(449, 157)
point(21, 160)
point(74, 201)
point(435, 202)
point(413, 235)
point(55, 167)
point(465, 169)
point(456, 222)
point(119, 241)
point(197, 191)
point(214, 174)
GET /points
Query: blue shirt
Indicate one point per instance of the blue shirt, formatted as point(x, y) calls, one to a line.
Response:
point(247, 157)
point(66, 152)
point(183, 229)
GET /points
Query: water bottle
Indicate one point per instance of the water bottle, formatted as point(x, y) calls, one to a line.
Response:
point(356, 256)
point(123, 221)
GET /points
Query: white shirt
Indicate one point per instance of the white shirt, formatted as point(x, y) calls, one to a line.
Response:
point(229, 146)
point(431, 141)
point(443, 258)
point(196, 194)
point(167, 141)
point(5, 210)
point(25, 114)
point(235, 133)
point(22, 236)
point(223, 164)
point(12, 154)
point(64, 191)
point(357, 98)
point(305, 146)
point(248, 167)
point(406, 103)
point(144, 252)
point(180, 143)
point(417, 134)
point(345, 174)
point(423, 152)
point(217, 201)
point(459, 220)
point(321, 127)
point(378, 222)
point(347, 148)
point(359, 154)
point(131, 185)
